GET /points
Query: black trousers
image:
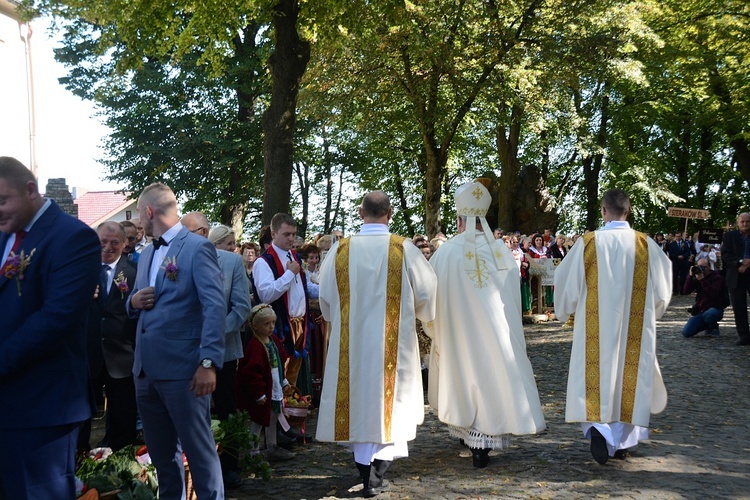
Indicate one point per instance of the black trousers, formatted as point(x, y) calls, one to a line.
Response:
point(738, 297)
point(225, 403)
point(680, 269)
point(121, 412)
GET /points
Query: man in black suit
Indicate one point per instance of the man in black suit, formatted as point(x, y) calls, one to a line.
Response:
point(111, 341)
point(735, 254)
point(679, 252)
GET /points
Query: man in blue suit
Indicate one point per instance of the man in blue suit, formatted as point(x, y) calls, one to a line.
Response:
point(178, 298)
point(50, 267)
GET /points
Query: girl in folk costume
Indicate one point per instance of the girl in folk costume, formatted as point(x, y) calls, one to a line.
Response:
point(261, 382)
point(539, 251)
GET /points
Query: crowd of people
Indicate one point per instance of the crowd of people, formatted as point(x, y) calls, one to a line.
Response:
point(173, 321)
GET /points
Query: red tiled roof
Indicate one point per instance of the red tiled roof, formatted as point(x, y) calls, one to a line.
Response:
point(94, 205)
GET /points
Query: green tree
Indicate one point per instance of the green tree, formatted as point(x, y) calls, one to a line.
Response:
point(216, 41)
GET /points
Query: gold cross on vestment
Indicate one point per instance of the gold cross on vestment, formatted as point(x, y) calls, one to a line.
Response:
point(477, 193)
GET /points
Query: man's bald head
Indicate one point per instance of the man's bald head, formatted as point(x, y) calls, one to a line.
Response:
point(376, 207)
point(196, 222)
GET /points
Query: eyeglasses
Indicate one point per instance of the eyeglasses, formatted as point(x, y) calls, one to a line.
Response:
point(198, 229)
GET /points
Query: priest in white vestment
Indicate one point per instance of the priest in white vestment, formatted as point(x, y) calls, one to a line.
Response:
point(615, 282)
point(373, 287)
point(480, 379)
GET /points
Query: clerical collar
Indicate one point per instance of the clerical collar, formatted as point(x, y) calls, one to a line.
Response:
point(617, 224)
point(374, 228)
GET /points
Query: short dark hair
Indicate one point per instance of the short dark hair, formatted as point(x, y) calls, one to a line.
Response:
point(264, 237)
point(280, 219)
point(127, 223)
point(376, 204)
point(15, 173)
point(616, 201)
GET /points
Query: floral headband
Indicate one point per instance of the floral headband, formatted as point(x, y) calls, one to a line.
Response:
point(255, 310)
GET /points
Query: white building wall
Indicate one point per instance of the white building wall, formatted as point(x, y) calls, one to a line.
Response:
point(14, 127)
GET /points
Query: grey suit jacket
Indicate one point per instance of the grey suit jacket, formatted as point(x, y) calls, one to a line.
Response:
point(236, 286)
point(186, 323)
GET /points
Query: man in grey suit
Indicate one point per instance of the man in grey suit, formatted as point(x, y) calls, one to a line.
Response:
point(178, 298)
point(236, 285)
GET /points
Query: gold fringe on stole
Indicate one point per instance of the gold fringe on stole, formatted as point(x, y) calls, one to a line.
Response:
point(392, 324)
point(341, 416)
point(593, 389)
point(635, 328)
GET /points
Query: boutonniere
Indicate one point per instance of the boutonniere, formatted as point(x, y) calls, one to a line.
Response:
point(16, 265)
point(170, 268)
point(122, 284)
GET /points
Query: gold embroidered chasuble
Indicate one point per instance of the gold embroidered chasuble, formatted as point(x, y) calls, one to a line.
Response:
point(617, 283)
point(372, 289)
point(481, 379)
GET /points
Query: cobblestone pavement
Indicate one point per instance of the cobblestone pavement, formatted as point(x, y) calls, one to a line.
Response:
point(699, 445)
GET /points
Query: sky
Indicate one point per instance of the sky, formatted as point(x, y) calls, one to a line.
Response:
point(68, 134)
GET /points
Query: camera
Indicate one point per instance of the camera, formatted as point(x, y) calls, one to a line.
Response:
point(697, 270)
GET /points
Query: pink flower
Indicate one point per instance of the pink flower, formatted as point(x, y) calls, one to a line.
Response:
point(121, 284)
point(15, 265)
point(170, 268)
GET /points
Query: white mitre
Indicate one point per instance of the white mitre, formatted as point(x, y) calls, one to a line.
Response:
point(472, 201)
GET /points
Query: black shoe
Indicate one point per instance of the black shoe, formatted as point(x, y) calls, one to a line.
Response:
point(480, 457)
point(599, 446)
point(621, 454)
point(232, 479)
point(373, 492)
point(743, 341)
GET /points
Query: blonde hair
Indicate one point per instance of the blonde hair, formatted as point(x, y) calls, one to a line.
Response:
point(218, 234)
point(261, 312)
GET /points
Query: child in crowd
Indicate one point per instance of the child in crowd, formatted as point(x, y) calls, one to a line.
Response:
point(261, 382)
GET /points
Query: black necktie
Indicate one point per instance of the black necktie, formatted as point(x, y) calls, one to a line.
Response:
point(291, 259)
point(159, 242)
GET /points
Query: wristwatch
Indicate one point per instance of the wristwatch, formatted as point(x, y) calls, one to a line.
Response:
point(207, 363)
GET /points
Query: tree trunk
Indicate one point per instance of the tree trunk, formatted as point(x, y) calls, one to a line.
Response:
point(232, 211)
point(592, 167)
point(287, 65)
point(403, 202)
point(507, 152)
point(742, 156)
point(436, 160)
